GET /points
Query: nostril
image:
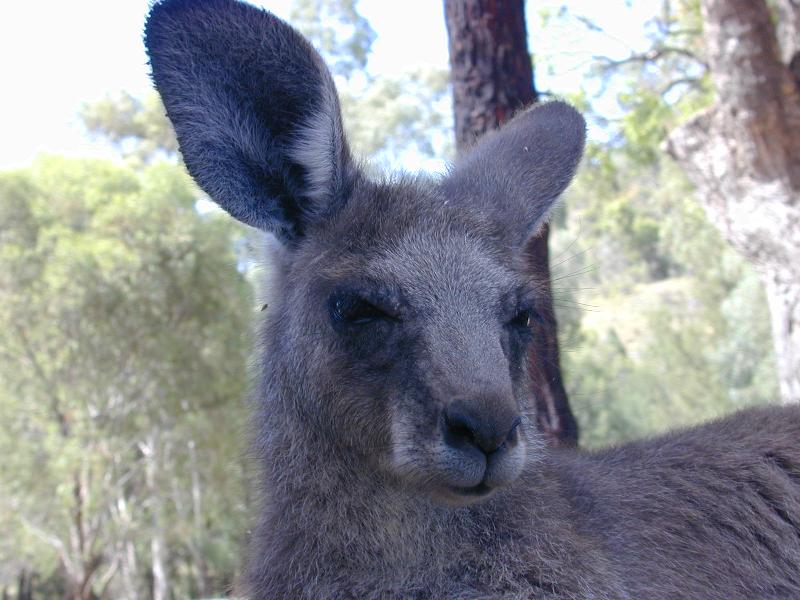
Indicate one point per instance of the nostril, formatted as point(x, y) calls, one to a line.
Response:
point(462, 429)
point(459, 428)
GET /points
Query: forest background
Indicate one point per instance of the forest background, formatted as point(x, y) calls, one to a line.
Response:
point(127, 301)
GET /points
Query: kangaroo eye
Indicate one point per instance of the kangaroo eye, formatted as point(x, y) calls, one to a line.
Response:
point(523, 318)
point(353, 310)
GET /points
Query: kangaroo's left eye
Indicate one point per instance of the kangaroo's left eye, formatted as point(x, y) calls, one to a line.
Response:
point(349, 309)
point(522, 319)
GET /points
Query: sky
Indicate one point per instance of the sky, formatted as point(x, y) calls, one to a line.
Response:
point(59, 55)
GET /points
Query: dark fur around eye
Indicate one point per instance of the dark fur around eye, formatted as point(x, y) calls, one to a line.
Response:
point(524, 318)
point(354, 310)
point(521, 319)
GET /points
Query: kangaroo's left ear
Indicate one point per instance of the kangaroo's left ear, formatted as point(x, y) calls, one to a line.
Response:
point(516, 174)
point(255, 110)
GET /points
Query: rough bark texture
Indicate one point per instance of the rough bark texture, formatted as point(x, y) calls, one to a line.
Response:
point(492, 79)
point(743, 155)
point(787, 20)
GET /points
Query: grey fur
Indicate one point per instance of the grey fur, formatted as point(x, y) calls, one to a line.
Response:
point(394, 408)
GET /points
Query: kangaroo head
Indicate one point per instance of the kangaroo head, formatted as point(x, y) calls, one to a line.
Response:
point(401, 328)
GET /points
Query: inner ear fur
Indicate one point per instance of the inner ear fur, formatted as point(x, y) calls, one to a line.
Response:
point(255, 111)
point(517, 172)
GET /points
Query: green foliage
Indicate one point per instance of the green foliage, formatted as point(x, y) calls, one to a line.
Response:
point(391, 120)
point(680, 340)
point(124, 336)
point(338, 30)
point(138, 129)
point(645, 124)
point(676, 327)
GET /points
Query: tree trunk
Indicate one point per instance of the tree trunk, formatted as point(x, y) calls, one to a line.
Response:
point(743, 156)
point(199, 563)
point(158, 547)
point(492, 79)
point(24, 586)
point(787, 20)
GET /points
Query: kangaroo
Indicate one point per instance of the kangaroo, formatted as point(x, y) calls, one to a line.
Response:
point(394, 410)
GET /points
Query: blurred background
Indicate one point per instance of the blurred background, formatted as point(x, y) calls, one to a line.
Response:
point(127, 300)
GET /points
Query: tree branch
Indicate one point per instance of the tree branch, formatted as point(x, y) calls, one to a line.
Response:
point(49, 386)
point(651, 56)
point(52, 540)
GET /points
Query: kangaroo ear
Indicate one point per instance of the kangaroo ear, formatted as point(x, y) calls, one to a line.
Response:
point(255, 111)
point(518, 172)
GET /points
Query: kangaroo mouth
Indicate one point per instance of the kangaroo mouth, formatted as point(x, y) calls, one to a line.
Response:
point(476, 491)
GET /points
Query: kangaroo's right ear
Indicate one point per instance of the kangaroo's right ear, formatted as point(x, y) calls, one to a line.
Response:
point(255, 111)
point(516, 173)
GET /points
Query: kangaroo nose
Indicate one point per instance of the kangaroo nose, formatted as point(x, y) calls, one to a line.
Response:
point(490, 433)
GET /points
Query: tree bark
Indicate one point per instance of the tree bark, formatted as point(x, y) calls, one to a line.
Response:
point(743, 156)
point(788, 32)
point(492, 79)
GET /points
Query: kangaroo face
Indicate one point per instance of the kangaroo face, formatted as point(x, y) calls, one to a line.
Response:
point(402, 325)
point(415, 333)
point(458, 406)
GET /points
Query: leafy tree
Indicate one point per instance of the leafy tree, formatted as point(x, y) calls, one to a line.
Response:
point(124, 329)
point(743, 155)
point(391, 120)
point(338, 31)
point(663, 324)
point(138, 129)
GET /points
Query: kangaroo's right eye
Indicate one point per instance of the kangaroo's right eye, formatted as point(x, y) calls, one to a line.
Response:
point(348, 309)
